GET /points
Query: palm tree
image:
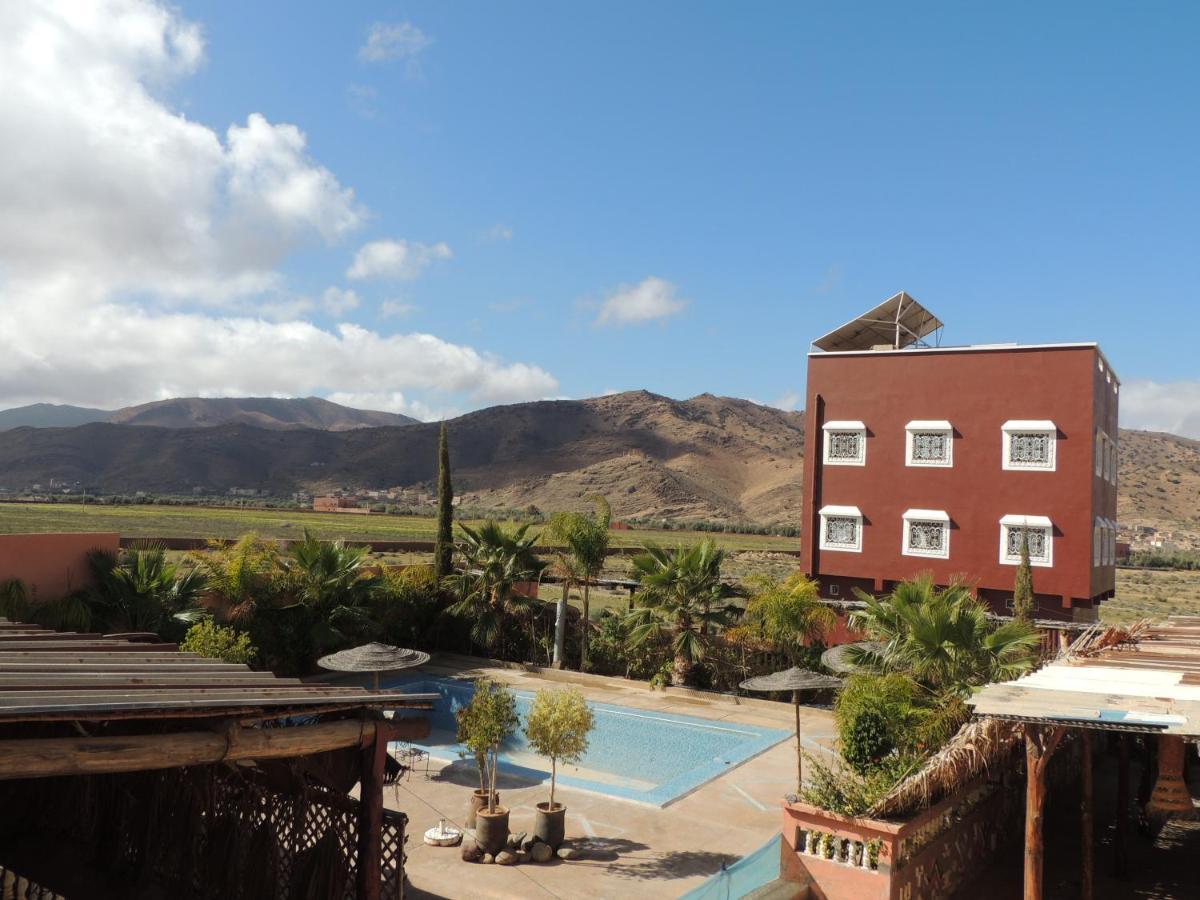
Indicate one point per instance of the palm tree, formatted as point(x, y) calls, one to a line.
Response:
point(241, 579)
point(139, 590)
point(494, 561)
point(580, 562)
point(942, 639)
point(788, 615)
point(329, 583)
point(682, 599)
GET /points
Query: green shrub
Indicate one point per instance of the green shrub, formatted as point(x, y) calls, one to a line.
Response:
point(214, 641)
point(867, 739)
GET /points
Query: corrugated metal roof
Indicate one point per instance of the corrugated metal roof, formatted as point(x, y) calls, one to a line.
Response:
point(49, 676)
point(1148, 683)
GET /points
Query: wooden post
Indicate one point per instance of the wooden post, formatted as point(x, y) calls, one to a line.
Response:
point(370, 817)
point(1120, 845)
point(1038, 749)
point(1170, 798)
point(799, 746)
point(1085, 815)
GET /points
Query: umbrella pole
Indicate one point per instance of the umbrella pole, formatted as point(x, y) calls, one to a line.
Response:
point(376, 681)
point(799, 752)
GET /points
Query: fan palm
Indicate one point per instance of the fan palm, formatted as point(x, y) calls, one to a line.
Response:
point(329, 584)
point(786, 614)
point(494, 561)
point(241, 579)
point(139, 590)
point(942, 639)
point(682, 599)
point(579, 562)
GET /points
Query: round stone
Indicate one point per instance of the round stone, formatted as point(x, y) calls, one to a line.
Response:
point(541, 853)
point(506, 858)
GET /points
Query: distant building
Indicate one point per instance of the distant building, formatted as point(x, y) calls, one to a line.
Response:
point(338, 505)
point(942, 459)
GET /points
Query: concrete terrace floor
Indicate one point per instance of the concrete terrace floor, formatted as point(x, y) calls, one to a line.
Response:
point(630, 849)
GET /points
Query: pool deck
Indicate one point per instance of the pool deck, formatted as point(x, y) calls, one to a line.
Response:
point(630, 849)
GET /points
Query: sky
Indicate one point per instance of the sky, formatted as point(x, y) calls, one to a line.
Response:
point(431, 207)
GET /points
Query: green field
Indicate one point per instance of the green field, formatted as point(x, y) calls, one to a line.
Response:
point(202, 522)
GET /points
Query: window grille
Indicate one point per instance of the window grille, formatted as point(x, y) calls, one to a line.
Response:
point(930, 446)
point(927, 538)
point(1039, 544)
point(1029, 450)
point(841, 531)
point(845, 445)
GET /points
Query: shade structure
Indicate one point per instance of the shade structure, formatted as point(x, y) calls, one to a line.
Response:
point(836, 659)
point(374, 658)
point(795, 680)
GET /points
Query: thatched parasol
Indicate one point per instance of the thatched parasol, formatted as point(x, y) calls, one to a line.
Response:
point(836, 659)
point(373, 658)
point(795, 680)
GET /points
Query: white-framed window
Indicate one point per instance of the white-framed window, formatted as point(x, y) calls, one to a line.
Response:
point(845, 443)
point(926, 533)
point(841, 528)
point(1030, 444)
point(1101, 452)
point(1112, 543)
point(1098, 543)
point(1114, 461)
point(1040, 531)
point(929, 443)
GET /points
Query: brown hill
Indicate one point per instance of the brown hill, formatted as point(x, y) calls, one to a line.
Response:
point(262, 412)
point(707, 457)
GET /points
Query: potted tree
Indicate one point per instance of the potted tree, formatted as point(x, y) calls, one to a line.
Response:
point(483, 725)
point(557, 727)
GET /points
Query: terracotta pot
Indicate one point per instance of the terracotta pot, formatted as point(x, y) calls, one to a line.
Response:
point(550, 825)
point(479, 799)
point(491, 830)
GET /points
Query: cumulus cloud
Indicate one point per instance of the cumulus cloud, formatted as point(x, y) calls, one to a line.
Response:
point(1156, 406)
point(789, 400)
point(388, 41)
point(652, 298)
point(396, 259)
point(140, 250)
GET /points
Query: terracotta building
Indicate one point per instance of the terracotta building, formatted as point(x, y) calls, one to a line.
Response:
point(940, 459)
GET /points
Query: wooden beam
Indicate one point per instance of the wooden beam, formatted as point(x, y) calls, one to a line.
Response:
point(1035, 801)
point(48, 757)
point(370, 817)
point(1086, 824)
point(1120, 839)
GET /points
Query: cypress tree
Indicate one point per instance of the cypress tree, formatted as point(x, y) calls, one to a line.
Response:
point(1023, 601)
point(443, 550)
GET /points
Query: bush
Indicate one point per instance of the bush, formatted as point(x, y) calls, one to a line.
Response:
point(866, 740)
point(557, 728)
point(214, 641)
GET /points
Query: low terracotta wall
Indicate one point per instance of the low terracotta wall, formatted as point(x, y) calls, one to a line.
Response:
point(923, 858)
point(51, 565)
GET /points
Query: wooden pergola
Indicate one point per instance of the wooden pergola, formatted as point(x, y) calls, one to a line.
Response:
point(125, 733)
point(1145, 680)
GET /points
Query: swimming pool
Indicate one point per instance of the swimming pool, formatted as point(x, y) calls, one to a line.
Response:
point(643, 755)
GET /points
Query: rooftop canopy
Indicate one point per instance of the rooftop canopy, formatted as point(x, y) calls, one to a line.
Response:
point(894, 324)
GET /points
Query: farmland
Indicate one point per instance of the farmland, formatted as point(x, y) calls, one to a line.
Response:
point(231, 522)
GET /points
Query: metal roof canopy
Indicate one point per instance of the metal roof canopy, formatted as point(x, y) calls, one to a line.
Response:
point(898, 322)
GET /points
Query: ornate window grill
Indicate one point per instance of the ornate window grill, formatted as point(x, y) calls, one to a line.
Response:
point(841, 531)
point(928, 538)
point(1029, 450)
point(1039, 543)
point(930, 446)
point(844, 446)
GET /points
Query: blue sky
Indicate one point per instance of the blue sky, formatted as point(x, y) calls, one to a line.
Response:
point(679, 196)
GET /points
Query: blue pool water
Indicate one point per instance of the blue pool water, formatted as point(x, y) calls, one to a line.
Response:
point(637, 754)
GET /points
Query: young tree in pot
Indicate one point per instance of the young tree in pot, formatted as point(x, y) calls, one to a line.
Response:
point(558, 726)
point(483, 725)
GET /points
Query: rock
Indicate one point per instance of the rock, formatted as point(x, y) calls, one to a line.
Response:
point(569, 853)
point(514, 840)
point(487, 858)
point(506, 858)
point(522, 856)
point(471, 851)
point(541, 853)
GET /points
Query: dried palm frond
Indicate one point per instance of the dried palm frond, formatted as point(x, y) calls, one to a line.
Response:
point(978, 746)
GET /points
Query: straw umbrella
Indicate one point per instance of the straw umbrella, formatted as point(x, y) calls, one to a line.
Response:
point(795, 680)
point(374, 658)
point(837, 659)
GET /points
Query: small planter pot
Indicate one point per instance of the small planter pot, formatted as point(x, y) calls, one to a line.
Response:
point(491, 830)
point(550, 825)
point(479, 799)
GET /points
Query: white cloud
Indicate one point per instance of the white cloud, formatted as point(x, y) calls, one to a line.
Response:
point(361, 98)
point(339, 300)
point(387, 41)
point(140, 250)
point(1156, 406)
point(499, 232)
point(395, 401)
point(652, 298)
point(397, 308)
point(789, 400)
point(398, 259)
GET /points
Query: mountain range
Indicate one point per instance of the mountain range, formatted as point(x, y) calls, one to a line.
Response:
point(207, 412)
point(708, 457)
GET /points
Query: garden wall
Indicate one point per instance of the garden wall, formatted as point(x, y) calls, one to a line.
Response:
point(51, 565)
point(924, 858)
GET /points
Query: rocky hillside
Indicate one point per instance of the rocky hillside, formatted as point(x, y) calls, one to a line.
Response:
point(1160, 482)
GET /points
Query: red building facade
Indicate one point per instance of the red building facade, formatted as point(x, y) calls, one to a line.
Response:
point(944, 459)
